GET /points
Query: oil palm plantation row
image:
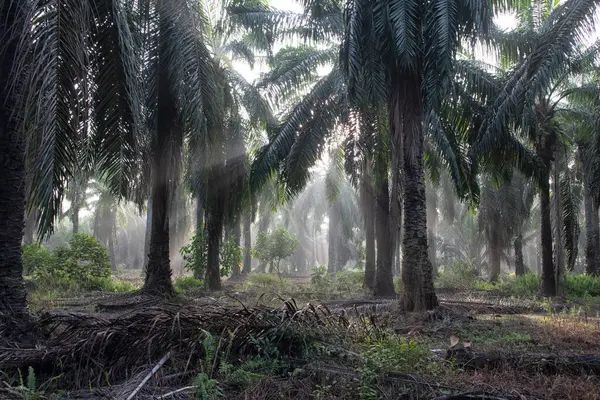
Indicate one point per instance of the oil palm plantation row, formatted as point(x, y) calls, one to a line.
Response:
point(402, 57)
point(120, 89)
point(145, 97)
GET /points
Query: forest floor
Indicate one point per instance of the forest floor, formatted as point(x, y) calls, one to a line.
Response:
point(252, 343)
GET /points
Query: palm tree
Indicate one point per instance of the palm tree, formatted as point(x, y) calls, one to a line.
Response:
point(401, 54)
point(13, 305)
point(219, 177)
point(64, 63)
point(527, 99)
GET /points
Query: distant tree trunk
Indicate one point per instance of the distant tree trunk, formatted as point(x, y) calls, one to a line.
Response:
point(236, 233)
point(417, 271)
point(247, 244)
point(368, 207)
point(148, 231)
point(13, 299)
point(384, 281)
point(558, 233)
point(519, 265)
point(30, 226)
point(495, 253)
point(592, 225)
point(199, 213)
point(158, 269)
point(548, 287)
point(111, 250)
point(263, 226)
point(214, 222)
point(166, 148)
point(333, 234)
point(75, 207)
point(301, 257)
point(432, 217)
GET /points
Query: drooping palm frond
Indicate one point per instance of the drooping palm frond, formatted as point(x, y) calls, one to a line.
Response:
point(317, 109)
point(117, 96)
point(294, 69)
point(81, 67)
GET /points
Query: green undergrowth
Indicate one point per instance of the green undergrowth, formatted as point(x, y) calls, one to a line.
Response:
point(188, 285)
point(465, 276)
point(578, 286)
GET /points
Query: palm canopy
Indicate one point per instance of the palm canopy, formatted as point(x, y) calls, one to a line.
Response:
point(546, 57)
point(90, 91)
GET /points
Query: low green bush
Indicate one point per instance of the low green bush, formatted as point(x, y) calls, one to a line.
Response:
point(349, 281)
point(187, 284)
point(580, 286)
point(320, 280)
point(389, 354)
point(36, 257)
point(520, 286)
point(83, 262)
point(458, 275)
point(267, 281)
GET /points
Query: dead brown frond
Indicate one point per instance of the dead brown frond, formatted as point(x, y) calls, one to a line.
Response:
point(107, 348)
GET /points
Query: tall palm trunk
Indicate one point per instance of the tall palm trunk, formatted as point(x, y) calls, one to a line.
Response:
point(395, 118)
point(495, 251)
point(432, 217)
point(199, 213)
point(558, 232)
point(13, 303)
point(147, 232)
point(518, 246)
point(592, 225)
point(548, 287)
point(236, 235)
point(384, 283)
point(247, 266)
point(417, 271)
point(166, 149)
point(215, 219)
point(368, 208)
point(75, 207)
point(214, 223)
point(333, 234)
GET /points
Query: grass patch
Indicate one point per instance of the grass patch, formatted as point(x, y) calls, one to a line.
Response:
point(188, 284)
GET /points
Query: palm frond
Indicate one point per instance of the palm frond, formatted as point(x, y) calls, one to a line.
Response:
point(315, 106)
point(293, 69)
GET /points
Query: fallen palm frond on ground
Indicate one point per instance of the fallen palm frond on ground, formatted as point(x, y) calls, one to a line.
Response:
point(101, 349)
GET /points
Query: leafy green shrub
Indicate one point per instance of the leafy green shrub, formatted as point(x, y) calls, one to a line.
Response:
point(110, 284)
point(349, 281)
point(390, 354)
point(83, 261)
point(395, 354)
point(458, 275)
point(188, 284)
point(583, 285)
point(578, 286)
point(239, 377)
point(195, 254)
point(263, 280)
point(231, 257)
point(273, 247)
point(519, 286)
point(398, 284)
point(320, 279)
point(35, 257)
